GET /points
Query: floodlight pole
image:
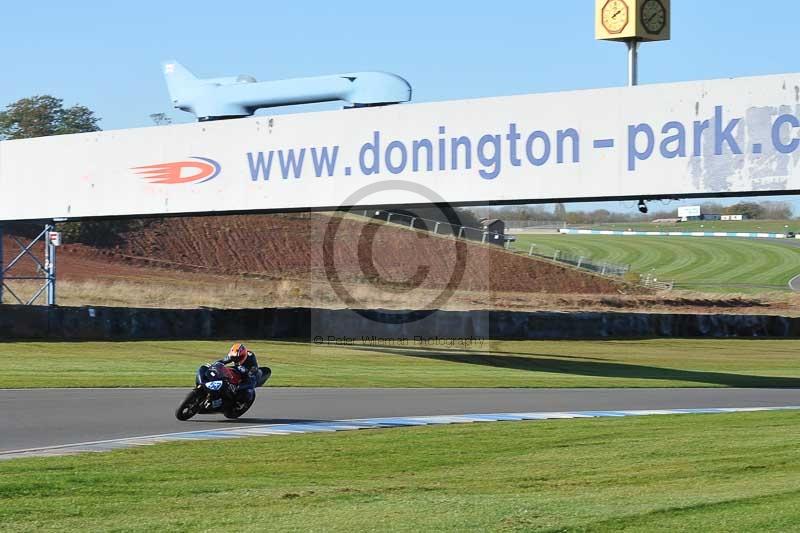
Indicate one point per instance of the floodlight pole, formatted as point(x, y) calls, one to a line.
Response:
point(633, 62)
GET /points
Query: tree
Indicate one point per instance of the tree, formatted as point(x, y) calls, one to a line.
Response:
point(777, 210)
point(44, 115)
point(560, 212)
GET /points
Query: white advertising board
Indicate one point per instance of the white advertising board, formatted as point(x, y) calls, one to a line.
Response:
point(689, 211)
point(698, 138)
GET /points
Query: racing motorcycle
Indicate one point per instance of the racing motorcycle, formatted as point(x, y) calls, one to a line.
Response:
point(217, 391)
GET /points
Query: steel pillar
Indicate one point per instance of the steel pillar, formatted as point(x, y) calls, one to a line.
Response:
point(46, 268)
point(2, 265)
point(633, 63)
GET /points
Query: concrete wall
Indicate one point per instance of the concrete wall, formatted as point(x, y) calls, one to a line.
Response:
point(326, 325)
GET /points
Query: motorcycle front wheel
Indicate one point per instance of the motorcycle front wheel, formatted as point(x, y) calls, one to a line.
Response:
point(189, 407)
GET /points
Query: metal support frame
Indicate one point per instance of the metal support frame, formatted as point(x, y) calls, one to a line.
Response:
point(2, 265)
point(45, 266)
point(633, 63)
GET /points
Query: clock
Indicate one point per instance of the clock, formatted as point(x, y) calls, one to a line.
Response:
point(614, 16)
point(653, 16)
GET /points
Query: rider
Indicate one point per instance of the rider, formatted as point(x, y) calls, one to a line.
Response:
point(245, 363)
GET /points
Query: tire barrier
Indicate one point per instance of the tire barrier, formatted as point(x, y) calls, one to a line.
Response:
point(344, 326)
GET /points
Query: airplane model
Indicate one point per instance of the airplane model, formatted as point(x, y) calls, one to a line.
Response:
point(240, 96)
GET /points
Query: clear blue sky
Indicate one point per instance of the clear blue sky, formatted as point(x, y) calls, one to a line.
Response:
point(106, 55)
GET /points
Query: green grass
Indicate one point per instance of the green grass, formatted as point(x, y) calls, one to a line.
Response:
point(643, 363)
point(738, 472)
point(696, 263)
point(763, 226)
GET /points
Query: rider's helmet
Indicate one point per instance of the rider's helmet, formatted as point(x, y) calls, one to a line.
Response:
point(238, 353)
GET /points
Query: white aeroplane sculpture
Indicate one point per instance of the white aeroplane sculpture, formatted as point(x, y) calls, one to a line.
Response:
point(241, 96)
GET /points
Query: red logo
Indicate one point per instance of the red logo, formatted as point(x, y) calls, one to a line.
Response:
point(199, 171)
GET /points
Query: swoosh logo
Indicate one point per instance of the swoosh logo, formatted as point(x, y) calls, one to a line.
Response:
point(201, 170)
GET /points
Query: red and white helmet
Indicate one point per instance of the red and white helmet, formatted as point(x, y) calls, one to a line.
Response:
point(238, 353)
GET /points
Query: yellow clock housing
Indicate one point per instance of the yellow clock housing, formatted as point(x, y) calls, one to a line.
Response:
point(629, 20)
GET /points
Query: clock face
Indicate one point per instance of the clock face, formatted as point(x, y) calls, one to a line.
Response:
point(615, 16)
point(654, 16)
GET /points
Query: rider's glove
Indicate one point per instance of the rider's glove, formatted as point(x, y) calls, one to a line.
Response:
point(241, 369)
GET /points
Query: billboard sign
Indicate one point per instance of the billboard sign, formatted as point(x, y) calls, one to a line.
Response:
point(698, 138)
point(689, 211)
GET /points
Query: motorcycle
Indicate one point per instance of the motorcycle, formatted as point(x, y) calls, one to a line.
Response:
point(217, 390)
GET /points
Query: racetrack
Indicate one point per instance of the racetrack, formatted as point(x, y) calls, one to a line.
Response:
point(696, 263)
point(35, 418)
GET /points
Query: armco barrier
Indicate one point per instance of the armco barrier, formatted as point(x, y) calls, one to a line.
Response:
point(347, 326)
point(744, 234)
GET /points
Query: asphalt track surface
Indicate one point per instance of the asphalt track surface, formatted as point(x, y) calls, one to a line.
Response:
point(34, 418)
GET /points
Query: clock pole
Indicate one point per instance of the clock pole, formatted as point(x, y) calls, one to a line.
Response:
point(632, 22)
point(633, 62)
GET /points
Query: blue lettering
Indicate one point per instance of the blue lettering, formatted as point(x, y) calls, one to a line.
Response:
point(467, 144)
point(542, 136)
point(492, 160)
point(678, 137)
point(777, 140)
point(633, 153)
point(399, 147)
point(561, 137)
point(512, 139)
point(258, 166)
point(724, 135)
point(375, 148)
point(291, 164)
point(324, 161)
point(699, 128)
point(416, 147)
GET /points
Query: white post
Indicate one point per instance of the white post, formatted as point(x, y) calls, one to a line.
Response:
point(436, 227)
point(580, 261)
point(50, 265)
point(530, 252)
point(388, 217)
point(460, 231)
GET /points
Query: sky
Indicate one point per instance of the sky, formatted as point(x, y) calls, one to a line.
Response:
point(107, 55)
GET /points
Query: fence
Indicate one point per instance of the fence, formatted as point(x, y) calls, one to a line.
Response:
point(440, 228)
point(647, 280)
point(583, 263)
point(535, 224)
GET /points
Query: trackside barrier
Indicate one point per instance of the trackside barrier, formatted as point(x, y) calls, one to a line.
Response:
point(583, 263)
point(344, 326)
point(744, 234)
point(437, 227)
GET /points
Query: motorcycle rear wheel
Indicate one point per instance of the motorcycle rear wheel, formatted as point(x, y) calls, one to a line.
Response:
point(189, 407)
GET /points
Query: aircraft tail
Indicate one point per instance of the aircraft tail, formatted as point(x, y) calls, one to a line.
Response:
point(178, 79)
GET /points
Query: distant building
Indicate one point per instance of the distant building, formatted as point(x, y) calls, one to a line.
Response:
point(495, 231)
point(692, 212)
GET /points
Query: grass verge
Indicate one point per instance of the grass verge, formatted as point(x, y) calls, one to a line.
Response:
point(697, 263)
point(738, 472)
point(642, 363)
